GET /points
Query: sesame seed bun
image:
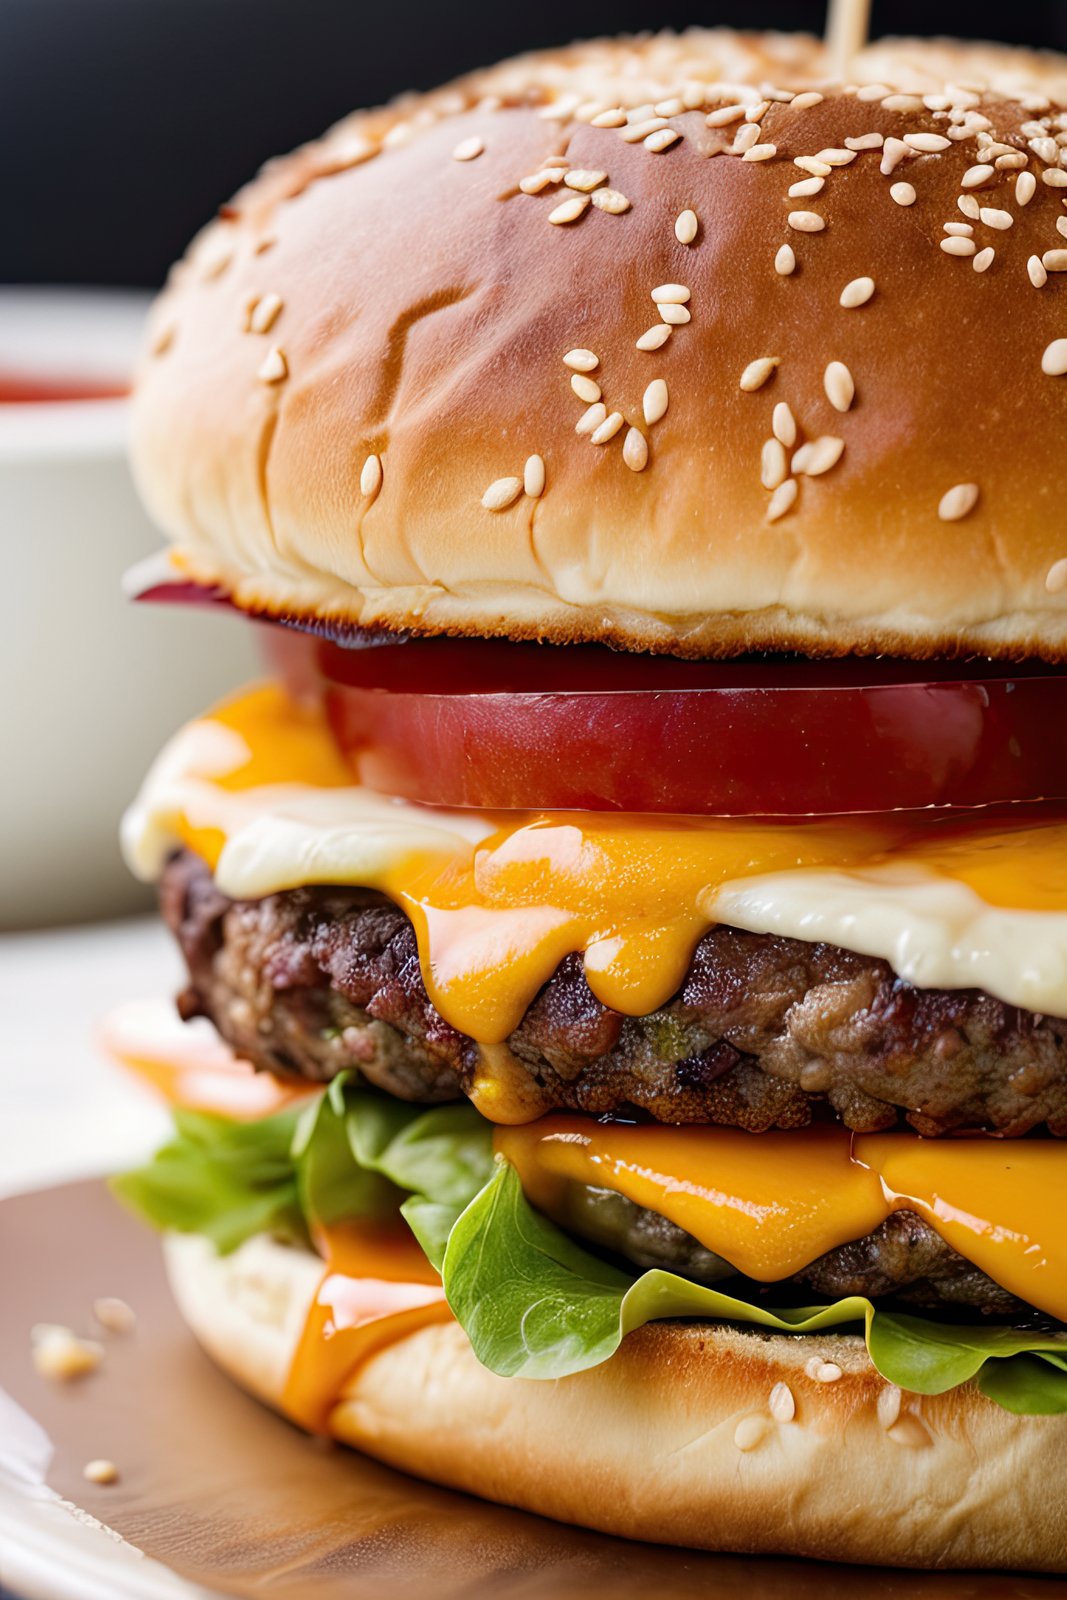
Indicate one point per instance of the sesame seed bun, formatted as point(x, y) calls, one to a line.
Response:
point(416, 377)
point(691, 1434)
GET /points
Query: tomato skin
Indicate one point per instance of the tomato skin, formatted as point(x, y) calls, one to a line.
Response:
point(732, 739)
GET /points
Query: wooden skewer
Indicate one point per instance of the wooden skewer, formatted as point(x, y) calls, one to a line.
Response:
point(847, 22)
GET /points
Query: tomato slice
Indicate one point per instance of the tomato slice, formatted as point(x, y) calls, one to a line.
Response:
point(501, 726)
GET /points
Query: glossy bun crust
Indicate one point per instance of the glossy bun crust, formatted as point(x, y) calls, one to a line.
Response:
point(371, 340)
point(683, 1437)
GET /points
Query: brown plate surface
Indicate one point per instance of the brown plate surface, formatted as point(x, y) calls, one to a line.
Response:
point(235, 1499)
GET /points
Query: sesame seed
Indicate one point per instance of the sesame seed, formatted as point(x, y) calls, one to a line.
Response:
point(467, 149)
point(655, 401)
point(59, 1353)
point(100, 1471)
point(656, 336)
point(1036, 269)
point(818, 457)
point(502, 493)
point(1056, 581)
point(782, 1406)
point(839, 385)
point(1054, 260)
point(904, 194)
point(583, 179)
point(783, 425)
point(590, 421)
point(836, 158)
point(540, 180)
point(894, 151)
point(610, 200)
point(570, 210)
point(635, 132)
point(888, 1405)
point(873, 91)
point(857, 293)
point(1011, 163)
point(661, 140)
point(760, 152)
point(758, 111)
point(817, 169)
point(866, 141)
point(274, 368)
point(774, 468)
point(608, 428)
point(974, 176)
point(958, 502)
point(812, 1365)
point(785, 261)
point(969, 206)
point(370, 479)
point(750, 1432)
point(264, 313)
point(806, 221)
point(581, 360)
point(671, 294)
point(615, 118)
point(746, 138)
point(724, 116)
point(783, 499)
point(114, 1314)
point(1045, 149)
point(993, 217)
point(959, 230)
point(1061, 225)
point(533, 477)
point(1025, 188)
point(1054, 360)
point(585, 388)
point(958, 247)
point(635, 450)
point(677, 316)
point(926, 143)
point(757, 372)
point(806, 188)
point(685, 227)
point(984, 259)
point(805, 101)
point(902, 102)
point(828, 1372)
point(910, 1432)
point(1055, 177)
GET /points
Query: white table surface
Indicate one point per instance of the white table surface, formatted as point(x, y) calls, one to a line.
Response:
point(66, 1111)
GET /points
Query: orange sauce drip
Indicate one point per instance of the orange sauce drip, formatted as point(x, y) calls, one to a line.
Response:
point(772, 1203)
point(377, 1286)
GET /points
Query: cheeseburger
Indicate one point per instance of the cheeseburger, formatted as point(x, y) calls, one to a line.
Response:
point(631, 918)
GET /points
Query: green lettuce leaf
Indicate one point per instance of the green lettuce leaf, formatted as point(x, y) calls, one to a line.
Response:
point(534, 1303)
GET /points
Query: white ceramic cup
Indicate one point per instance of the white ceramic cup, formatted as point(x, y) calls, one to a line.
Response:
point(92, 683)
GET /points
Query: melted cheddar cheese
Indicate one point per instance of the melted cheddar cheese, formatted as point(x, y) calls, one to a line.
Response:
point(497, 901)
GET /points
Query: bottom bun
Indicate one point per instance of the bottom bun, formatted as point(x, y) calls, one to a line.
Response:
point(683, 1437)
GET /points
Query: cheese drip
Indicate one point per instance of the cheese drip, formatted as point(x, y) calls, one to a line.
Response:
point(772, 1203)
point(497, 901)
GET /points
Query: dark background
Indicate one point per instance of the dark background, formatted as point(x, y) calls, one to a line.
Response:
point(123, 123)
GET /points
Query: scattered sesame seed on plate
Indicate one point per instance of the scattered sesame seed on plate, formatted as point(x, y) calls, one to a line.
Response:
point(656, 336)
point(785, 262)
point(857, 293)
point(806, 221)
point(581, 360)
point(784, 425)
point(610, 200)
point(635, 450)
point(585, 388)
point(467, 149)
point(783, 499)
point(503, 492)
point(370, 479)
point(655, 400)
point(839, 385)
point(757, 372)
point(569, 210)
point(533, 477)
point(686, 226)
point(1054, 360)
point(958, 502)
point(904, 194)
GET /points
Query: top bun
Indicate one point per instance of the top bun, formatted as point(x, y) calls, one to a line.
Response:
point(856, 442)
